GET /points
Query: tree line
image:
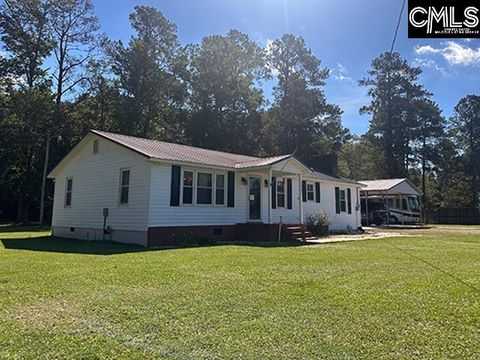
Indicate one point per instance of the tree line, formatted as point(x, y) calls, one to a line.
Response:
point(59, 75)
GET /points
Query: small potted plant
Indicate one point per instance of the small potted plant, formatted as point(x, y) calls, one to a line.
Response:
point(318, 223)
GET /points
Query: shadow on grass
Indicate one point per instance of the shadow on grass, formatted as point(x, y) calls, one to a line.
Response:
point(23, 228)
point(62, 245)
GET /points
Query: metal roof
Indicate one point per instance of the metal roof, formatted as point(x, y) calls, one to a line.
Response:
point(162, 150)
point(385, 184)
point(332, 178)
point(171, 152)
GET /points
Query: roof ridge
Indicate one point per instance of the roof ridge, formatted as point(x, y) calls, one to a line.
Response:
point(265, 158)
point(182, 145)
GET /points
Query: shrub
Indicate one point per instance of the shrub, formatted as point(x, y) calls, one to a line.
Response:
point(318, 223)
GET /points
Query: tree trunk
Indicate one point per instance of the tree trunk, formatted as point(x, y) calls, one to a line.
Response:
point(424, 190)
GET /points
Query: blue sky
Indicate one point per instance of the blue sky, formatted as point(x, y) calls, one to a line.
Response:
point(344, 34)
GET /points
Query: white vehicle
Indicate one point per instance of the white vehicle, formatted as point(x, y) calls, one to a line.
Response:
point(392, 209)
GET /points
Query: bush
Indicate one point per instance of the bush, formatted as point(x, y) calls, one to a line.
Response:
point(318, 223)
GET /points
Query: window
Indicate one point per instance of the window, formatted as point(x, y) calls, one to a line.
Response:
point(310, 192)
point(187, 187)
point(397, 203)
point(95, 147)
point(204, 188)
point(343, 201)
point(124, 185)
point(280, 193)
point(68, 192)
point(413, 204)
point(220, 189)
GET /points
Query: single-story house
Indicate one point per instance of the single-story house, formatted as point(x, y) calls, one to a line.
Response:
point(152, 192)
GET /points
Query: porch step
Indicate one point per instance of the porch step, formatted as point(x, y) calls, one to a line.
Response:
point(297, 232)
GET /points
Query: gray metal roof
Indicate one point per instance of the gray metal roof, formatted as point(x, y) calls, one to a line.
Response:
point(332, 178)
point(386, 184)
point(162, 150)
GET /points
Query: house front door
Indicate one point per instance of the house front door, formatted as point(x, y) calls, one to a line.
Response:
point(254, 210)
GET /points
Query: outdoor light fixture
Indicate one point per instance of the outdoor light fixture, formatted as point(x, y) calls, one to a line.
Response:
point(244, 181)
point(266, 183)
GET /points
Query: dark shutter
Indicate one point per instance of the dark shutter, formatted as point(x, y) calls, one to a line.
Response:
point(274, 192)
point(231, 189)
point(317, 192)
point(175, 186)
point(304, 191)
point(289, 193)
point(337, 200)
point(349, 201)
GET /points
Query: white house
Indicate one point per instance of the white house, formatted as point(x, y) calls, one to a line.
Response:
point(155, 190)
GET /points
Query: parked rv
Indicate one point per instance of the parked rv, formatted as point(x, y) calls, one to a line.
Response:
point(391, 209)
point(390, 201)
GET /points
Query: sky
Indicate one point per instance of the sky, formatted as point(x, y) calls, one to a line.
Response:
point(346, 35)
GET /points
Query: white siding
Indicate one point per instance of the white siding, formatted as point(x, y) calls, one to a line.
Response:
point(327, 204)
point(96, 186)
point(162, 214)
point(404, 188)
point(289, 216)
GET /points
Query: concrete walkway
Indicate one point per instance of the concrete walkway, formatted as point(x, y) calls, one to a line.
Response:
point(368, 235)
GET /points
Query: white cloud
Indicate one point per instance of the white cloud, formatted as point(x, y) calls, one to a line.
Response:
point(429, 63)
point(453, 52)
point(426, 49)
point(341, 73)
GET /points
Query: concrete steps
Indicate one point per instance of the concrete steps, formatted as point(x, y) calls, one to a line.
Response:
point(297, 233)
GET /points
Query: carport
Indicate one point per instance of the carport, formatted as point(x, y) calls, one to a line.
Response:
point(394, 193)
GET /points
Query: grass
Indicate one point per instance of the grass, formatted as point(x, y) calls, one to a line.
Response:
point(410, 297)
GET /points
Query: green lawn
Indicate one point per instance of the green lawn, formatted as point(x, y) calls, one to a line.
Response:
point(410, 297)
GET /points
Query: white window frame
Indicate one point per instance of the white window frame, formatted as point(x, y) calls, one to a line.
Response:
point(281, 193)
point(313, 191)
point(121, 186)
point(66, 192)
point(195, 187)
point(224, 189)
point(212, 188)
point(344, 192)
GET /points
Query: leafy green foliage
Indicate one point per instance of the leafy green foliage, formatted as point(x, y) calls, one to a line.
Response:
point(225, 99)
point(308, 124)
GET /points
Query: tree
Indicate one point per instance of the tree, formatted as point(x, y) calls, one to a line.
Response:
point(428, 132)
point(26, 121)
point(74, 26)
point(300, 105)
point(224, 99)
point(27, 37)
point(360, 160)
point(394, 93)
point(465, 128)
point(146, 75)
point(26, 103)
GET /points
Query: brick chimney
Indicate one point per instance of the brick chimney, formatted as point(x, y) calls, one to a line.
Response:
point(327, 164)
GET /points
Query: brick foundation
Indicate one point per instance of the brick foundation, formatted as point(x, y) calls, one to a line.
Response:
point(173, 235)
